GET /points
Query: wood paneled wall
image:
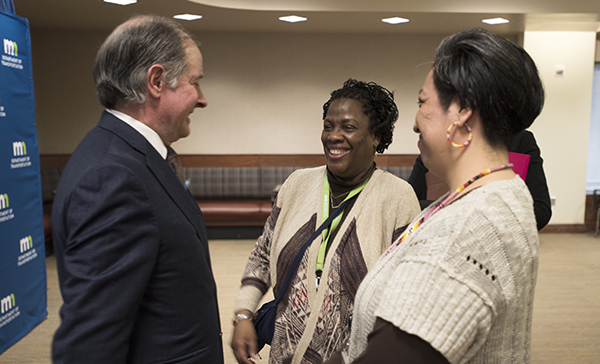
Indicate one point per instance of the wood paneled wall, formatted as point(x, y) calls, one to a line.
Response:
point(250, 160)
point(312, 160)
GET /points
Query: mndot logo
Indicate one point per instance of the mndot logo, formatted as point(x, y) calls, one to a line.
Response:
point(4, 201)
point(28, 252)
point(7, 303)
point(26, 243)
point(20, 158)
point(6, 213)
point(8, 310)
point(19, 149)
point(11, 48)
point(11, 58)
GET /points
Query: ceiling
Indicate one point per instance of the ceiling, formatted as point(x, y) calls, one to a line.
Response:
point(325, 16)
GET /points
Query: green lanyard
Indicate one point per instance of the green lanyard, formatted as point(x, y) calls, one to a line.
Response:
point(327, 232)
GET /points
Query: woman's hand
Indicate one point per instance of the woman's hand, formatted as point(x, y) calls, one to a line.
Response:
point(244, 342)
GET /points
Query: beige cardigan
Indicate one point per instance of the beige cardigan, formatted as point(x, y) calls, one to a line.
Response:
point(380, 213)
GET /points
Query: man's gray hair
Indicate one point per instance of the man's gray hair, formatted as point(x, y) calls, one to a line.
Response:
point(130, 50)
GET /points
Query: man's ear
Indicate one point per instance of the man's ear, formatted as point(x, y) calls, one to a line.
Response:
point(154, 80)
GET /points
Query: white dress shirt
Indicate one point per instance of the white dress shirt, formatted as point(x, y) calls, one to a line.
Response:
point(151, 136)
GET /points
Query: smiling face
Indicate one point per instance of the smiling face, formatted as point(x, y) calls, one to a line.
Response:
point(347, 141)
point(431, 122)
point(180, 102)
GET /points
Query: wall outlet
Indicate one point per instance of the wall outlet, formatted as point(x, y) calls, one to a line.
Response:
point(553, 200)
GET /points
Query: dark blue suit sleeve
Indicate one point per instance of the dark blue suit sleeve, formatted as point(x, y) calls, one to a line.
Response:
point(110, 249)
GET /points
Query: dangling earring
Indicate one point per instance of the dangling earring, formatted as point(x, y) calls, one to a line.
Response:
point(468, 139)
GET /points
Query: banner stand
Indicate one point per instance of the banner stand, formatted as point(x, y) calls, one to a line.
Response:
point(23, 301)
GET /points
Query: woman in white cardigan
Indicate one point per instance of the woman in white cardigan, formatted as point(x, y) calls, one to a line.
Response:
point(458, 285)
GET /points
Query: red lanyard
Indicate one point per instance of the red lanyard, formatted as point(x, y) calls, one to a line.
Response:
point(439, 206)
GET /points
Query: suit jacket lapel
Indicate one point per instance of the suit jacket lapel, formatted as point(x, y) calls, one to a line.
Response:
point(160, 168)
point(167, 178)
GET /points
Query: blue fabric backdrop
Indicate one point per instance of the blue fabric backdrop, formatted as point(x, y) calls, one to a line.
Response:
point(7, 5)
point(23, 302)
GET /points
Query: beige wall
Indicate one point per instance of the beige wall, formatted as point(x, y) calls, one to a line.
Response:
point(265, 91)
point(66, 103)
point(562, 128)
point(265, 94)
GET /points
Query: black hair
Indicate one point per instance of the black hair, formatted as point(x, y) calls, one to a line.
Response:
point(378, 104)
point(493, 76)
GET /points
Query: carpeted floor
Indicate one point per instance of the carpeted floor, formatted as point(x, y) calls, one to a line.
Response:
point(566, 325)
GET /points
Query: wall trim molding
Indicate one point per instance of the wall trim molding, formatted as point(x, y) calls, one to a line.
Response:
point(297, 160)
point(250, 160)
point(565, 228)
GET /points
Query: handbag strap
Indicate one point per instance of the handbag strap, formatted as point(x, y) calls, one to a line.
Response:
point(298, 259)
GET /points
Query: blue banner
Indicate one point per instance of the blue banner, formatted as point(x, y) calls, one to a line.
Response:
point(23, 303)
point(7, 5)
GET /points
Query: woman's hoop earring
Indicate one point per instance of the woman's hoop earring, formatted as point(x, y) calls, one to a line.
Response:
point(468, 139)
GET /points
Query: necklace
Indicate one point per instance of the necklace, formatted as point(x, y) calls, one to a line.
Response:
point(441, 205)
point(336, 221)
point(332, 198)
point(338, 196)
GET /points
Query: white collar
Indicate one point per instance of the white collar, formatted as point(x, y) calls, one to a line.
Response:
point(151, 136)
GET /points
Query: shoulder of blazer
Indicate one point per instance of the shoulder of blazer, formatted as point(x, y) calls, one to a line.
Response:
point(157, 166)
point(122, 130)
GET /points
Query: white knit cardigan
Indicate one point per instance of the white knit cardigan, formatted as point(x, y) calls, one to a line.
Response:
point(464, 281)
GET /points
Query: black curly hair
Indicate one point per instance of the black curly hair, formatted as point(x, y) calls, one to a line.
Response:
point(378, 104)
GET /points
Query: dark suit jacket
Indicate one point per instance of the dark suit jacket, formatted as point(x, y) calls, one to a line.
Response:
point(132, 256)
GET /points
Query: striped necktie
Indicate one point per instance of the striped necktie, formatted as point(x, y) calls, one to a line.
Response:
point(175, 164)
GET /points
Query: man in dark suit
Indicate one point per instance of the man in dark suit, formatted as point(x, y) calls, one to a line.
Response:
point(130, 241)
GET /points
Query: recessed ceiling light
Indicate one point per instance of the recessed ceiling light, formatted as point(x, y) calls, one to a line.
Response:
point(121, 2)
point(494, 21)
point(292, 18)
point(395, 20)
point(187, 17)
